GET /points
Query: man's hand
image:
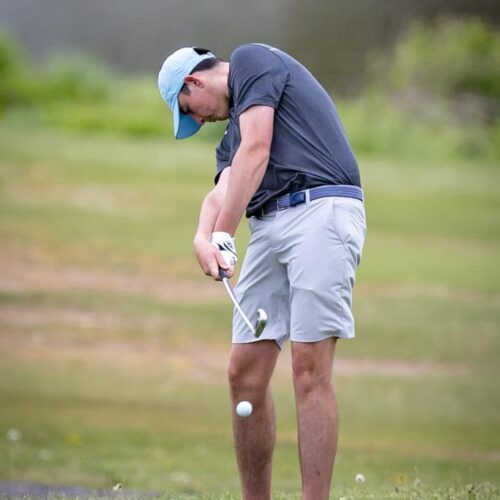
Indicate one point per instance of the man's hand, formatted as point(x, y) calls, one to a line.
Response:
point(210, 258)
point(225, 243)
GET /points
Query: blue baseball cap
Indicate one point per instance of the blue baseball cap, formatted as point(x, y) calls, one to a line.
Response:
point(170, 81)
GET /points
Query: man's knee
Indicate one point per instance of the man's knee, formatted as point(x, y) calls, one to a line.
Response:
point(236, 373)
point(310, 370)
point(307, 377)
point(250, 368)
point(244, 381)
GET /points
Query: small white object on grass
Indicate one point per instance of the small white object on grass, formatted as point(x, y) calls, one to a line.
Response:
point(359, 478)
point(14, 435)
point(244, 408)
point(44, 455)
point(117, 487)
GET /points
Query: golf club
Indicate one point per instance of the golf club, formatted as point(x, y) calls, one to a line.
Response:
point(260, 321)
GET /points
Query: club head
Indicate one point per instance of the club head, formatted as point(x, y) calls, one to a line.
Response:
point(261, 322)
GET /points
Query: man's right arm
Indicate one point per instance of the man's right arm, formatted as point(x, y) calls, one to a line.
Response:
point(208, 256)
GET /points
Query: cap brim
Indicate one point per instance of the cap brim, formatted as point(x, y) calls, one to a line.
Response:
point(184, 125)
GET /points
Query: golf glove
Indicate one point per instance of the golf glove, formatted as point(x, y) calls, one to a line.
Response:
point(225, 243)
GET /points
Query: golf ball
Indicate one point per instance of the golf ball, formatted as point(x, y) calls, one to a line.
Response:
point(244, 408)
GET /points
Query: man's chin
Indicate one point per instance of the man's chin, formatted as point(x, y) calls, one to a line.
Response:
point(222, 117)
point(217, 119)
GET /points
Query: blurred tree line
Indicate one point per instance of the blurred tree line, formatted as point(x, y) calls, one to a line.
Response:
point(435, 94)
point(331, 37)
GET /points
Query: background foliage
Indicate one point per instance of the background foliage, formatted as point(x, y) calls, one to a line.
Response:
point(435, 95)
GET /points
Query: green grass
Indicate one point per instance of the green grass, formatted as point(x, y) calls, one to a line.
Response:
point(113, 346)
point(419, 491)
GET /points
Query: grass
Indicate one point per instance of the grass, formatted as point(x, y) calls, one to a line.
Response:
point(483, 491)
point(113, 346)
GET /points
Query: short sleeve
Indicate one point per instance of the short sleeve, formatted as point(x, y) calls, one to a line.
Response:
point(257, 77)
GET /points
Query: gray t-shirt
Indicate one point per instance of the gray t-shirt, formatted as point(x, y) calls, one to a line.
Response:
point(309, 146)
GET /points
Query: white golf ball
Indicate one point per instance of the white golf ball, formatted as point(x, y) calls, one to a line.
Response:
point(360, 478)
point(244, 408)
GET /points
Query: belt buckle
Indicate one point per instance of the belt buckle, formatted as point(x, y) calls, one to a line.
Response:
point(297, 198)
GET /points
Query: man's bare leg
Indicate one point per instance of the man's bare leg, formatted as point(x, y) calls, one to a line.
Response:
point(250, 369)
point(316, 415)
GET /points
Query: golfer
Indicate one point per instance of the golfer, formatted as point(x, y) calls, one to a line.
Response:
point(285, 161)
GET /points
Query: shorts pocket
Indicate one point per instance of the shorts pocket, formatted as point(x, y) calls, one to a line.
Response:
point(349, 222)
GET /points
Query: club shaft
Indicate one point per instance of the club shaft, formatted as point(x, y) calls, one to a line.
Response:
point(236, 304)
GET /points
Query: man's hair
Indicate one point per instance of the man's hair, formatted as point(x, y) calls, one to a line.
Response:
point(204, 65)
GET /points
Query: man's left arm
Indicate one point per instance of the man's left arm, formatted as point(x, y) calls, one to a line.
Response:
point(248, 166)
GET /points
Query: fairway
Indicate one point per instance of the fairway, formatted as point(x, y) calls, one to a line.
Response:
point(113, 345)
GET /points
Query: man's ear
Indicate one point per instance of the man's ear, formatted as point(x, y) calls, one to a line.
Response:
point(194, 80)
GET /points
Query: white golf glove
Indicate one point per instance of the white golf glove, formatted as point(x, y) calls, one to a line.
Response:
point(225, 243)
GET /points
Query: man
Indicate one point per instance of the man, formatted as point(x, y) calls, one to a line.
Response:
point(284, 160)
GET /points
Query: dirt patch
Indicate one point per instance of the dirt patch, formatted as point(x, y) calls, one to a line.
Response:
point(43, 318)
point(433, 291)
point(391, 368)
point(18, 275)
point(197, 361)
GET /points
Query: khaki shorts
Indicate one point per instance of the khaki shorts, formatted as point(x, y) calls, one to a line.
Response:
point(300, 268)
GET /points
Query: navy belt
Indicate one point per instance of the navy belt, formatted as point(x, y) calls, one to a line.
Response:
point(293, 199)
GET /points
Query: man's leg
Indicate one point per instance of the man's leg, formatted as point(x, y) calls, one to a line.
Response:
point(317, 415)
point(250, 369)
